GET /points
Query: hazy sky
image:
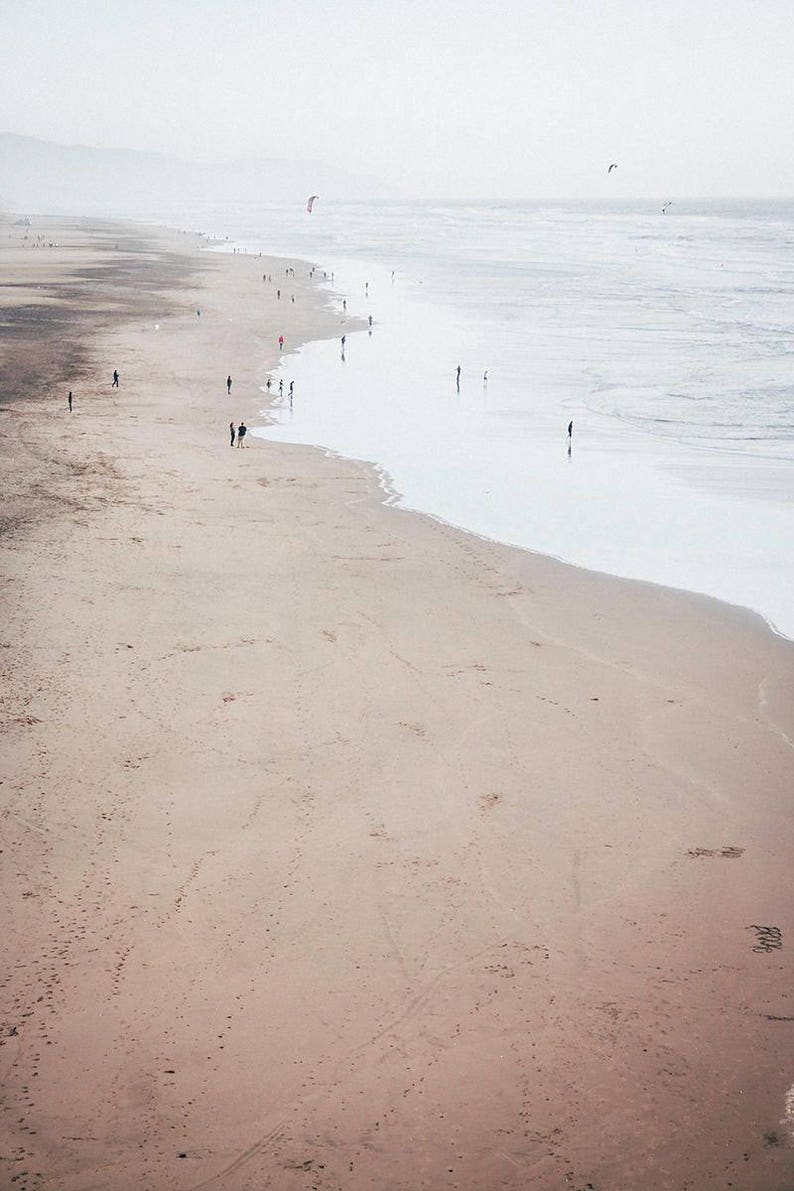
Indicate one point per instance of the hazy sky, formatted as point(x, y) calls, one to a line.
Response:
point(508, 98)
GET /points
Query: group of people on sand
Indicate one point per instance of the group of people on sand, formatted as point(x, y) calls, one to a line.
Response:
point(241, 431)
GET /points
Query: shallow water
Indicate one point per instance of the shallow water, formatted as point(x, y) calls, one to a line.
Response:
point(668, 340)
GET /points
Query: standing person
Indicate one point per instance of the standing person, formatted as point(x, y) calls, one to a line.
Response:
point(231, 434)
point(457, 377)
point(291, 387)
point(281, 388)
point(115, 384)
point(280, 342)
point(343, 343)
point(69, 399)
point(369, 319)
point(570, 431)
point(229, 385)
point(242, 430)
point(344, 304)
point(278, 294)
point(485, 378)
point(269, 383)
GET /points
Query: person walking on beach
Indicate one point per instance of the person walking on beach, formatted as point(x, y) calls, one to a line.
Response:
point(115, 384)
point(281, 388)
point(229, 385)
point(343, 344)
point(69, 399)
point(242, 430)
point(457, 378)
point(369, 319)
point(280, 342)
point(291, 387)
point(485, 378)
point(570, 431)
point(231, 434)
point(269, 383)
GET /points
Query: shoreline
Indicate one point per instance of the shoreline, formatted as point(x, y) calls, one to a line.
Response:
point(473, 464)
point(394, 499)
point(350, 847)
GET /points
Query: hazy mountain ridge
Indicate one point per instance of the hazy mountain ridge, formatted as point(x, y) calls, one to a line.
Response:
point(45, 177)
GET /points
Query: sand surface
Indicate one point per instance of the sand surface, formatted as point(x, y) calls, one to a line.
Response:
point(341, 849)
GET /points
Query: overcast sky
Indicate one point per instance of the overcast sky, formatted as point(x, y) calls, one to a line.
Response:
point(506, 98)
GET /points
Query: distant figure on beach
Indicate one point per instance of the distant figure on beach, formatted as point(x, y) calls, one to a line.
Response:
point(231, 434)
point(281, 388)
point(369, 319)
point(280, 342)
point(115, 384)
point(457, 377)
point(291, 387)
point(485, 378)
point(69, 399)
point(278, 294)
point(366, 289)
point(343, 343)
point(198, 313)
point(228, 384)
point(242, 430)
point(344, 304)
point(570, 431)
point(269, 383)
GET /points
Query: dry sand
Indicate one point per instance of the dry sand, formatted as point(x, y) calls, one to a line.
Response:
point(341, 849)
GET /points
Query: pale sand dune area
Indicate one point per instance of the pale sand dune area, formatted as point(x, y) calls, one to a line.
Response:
point(340, 848)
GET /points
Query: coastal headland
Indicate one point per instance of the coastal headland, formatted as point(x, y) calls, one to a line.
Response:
point(340, 848)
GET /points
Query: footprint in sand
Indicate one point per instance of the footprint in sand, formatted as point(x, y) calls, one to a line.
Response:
point(417, 729)
point(728, 853)
point(767, 938)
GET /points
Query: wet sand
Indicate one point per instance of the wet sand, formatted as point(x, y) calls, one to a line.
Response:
point(341, 848)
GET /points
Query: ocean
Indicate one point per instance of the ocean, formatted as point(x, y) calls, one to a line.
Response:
point(666, 338)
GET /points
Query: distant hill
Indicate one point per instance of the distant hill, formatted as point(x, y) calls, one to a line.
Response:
point(47, 178)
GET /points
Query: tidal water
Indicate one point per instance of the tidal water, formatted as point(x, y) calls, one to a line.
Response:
point(668, 340)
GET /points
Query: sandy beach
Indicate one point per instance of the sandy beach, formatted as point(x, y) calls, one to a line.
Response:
point(340, 848)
